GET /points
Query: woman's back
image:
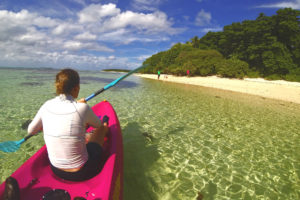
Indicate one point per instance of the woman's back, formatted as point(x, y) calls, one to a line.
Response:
point(64, 121)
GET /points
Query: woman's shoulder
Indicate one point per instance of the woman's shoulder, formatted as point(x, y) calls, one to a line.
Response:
point(83, 106)
point(50, 101)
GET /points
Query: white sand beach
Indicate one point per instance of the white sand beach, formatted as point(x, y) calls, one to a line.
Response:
point(281, 90)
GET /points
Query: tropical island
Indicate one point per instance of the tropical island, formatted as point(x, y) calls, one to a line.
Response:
point(267, 47)
point(258, 57)
point(115, 70)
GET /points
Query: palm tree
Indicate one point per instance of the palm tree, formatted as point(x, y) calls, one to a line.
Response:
point(195, 42)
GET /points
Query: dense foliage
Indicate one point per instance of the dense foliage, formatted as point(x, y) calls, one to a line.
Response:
point(266, 47)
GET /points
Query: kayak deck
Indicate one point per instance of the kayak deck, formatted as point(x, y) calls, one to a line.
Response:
point(36, 178)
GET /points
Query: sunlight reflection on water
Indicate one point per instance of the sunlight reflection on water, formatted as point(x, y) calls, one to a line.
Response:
point(179, 140)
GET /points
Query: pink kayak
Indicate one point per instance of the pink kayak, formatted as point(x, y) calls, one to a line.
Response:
point(36, 178)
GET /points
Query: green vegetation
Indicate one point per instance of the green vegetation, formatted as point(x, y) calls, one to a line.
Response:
point(267, 47)
point(115, 70)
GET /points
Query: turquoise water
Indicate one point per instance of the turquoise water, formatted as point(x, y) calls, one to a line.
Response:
point(180, 141)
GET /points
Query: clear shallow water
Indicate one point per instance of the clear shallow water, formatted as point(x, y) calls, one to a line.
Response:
point(179, 140)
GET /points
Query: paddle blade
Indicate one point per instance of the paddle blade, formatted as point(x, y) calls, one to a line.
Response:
point(10, 146)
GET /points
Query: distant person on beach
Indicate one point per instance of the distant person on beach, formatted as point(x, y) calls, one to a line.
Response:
point(158, 74)
point(63, 121)
point(188, 73)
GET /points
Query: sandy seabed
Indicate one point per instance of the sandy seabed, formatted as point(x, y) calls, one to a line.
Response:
point(281, 90)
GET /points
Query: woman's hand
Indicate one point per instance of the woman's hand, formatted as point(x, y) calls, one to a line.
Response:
point(82, 100)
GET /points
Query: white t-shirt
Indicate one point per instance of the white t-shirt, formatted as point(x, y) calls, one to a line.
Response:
point(63, 121)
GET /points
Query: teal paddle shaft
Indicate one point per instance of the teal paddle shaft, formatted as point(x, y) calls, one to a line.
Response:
point(113, 83)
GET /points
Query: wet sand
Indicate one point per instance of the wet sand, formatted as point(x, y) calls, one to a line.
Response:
point(281, 90)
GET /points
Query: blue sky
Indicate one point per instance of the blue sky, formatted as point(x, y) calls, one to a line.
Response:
point(98, 34)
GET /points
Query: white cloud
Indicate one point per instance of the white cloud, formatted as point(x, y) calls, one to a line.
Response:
point(73, 45)
point(109, 18)
point(24, 18)
point(284, 4)
point(148, 5)
point(123, 36)
point(111, 58)
point(85, 36)
point(143, 57)
point(28, 38)
point(18, 58)
point(148, 23)
point(96, 12)
point(67, 28)
point(205, 30)
point(203, 18)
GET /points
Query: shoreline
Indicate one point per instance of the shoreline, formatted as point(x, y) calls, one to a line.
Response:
point(279, 89)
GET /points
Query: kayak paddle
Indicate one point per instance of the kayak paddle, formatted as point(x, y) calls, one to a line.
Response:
point(113, 83)
point(12, 146)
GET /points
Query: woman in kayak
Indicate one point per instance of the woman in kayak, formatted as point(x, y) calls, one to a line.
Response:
point(63, 121)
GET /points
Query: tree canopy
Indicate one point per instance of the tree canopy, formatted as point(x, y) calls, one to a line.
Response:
point(266, 47)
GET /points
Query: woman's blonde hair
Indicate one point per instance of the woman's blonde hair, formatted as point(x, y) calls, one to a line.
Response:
point(66, 80)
